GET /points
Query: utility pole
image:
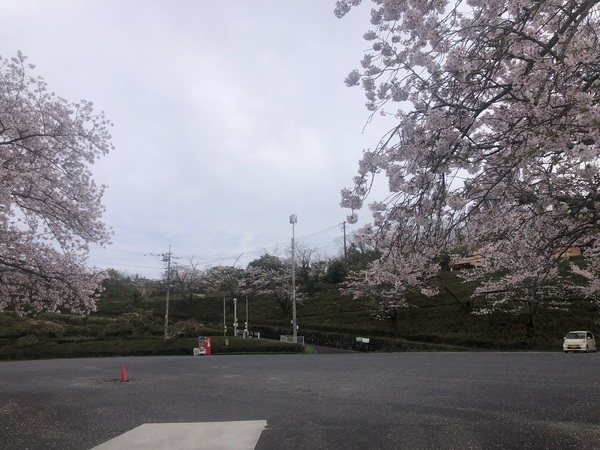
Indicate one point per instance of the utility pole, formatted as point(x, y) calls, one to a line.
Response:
point(345, 250)
point(166, 258)
point(293, 221)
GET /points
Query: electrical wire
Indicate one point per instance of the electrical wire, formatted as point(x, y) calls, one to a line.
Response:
point(323, 245)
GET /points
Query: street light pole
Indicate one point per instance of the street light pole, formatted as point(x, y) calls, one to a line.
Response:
point(246, 331)
point(293, 220)
point(168, 258)
point(235, 322)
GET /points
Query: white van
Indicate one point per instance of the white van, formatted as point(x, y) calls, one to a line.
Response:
point(579, 341)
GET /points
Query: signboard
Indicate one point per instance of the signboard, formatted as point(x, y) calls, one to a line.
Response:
point(204, 345)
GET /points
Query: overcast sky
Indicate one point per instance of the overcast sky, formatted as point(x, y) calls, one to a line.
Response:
point(229, 116)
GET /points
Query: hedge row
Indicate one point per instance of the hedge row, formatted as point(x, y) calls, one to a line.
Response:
point(140, 347)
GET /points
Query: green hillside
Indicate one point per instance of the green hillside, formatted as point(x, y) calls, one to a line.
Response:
point(134, 324)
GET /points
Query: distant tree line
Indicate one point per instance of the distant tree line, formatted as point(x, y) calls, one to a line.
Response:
point(269, 275)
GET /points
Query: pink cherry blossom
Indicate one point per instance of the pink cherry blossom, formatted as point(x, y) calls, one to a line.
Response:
point(50, 206)
point(496, 146)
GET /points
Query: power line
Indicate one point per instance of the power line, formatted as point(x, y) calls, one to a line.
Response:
point(322, 245)
point(272, 248)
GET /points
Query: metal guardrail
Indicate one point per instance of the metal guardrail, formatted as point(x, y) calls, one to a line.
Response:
point(290, 339)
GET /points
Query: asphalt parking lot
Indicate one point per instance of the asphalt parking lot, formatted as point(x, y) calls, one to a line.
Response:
point(323, 401)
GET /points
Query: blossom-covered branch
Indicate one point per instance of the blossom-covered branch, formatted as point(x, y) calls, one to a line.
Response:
point(497, 103)
point(50, 207)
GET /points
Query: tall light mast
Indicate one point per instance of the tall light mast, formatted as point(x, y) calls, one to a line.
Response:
point(293, 220)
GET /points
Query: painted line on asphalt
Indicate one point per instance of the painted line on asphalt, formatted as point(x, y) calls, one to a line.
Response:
point(241, 435)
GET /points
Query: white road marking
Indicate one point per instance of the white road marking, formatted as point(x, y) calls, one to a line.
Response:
point(242, 435)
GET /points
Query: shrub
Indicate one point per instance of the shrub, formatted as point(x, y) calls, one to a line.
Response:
point(222, 344)
point(140, 347)
point(27, 341)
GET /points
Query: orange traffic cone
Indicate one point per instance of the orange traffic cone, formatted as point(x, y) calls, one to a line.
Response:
point(123, 374)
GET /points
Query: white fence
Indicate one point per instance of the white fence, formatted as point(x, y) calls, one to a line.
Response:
point(290, 339)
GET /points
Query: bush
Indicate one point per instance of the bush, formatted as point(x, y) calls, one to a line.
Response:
point(42, 328)
point(27, 341)
point(140, 347)
point(223, 344)
point(119, 329)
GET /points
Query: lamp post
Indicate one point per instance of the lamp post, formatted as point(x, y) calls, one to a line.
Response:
point(167, 259)
point(232, 286)
point(246, 331)
point(293, 220)
point(224, 322)
point(235, 322)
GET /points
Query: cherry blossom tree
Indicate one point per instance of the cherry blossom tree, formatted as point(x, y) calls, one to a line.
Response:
point(312, 267)
point(270, 276)
point(191, 280)
point(496, 143)
point(50, 207)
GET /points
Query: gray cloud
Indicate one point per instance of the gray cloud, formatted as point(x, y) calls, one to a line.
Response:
point(228, 117)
